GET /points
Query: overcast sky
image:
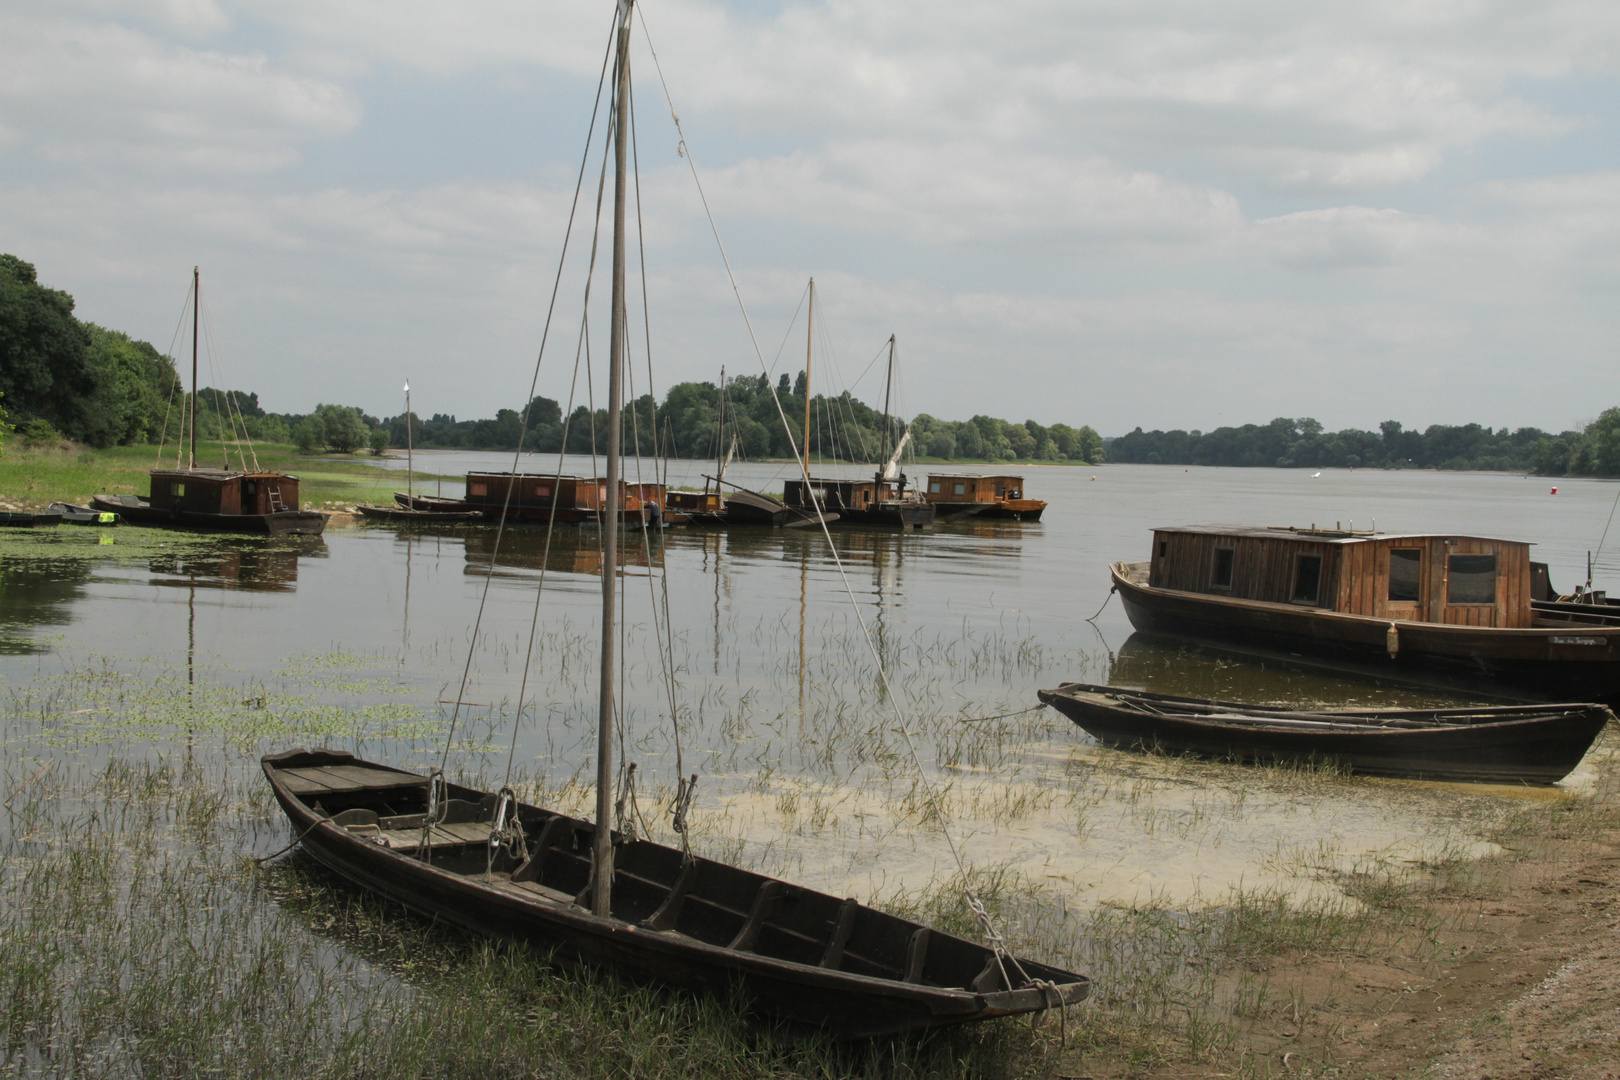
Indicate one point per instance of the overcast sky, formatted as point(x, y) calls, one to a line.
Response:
point(1172, 214)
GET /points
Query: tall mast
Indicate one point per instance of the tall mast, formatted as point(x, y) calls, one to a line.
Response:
point(888, 385)
point(809, 332)
point(196, 305)
point(410, 466)
point(720, 437)
point(602, 849)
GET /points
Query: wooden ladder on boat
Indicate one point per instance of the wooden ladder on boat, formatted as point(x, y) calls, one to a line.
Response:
point(276, 502)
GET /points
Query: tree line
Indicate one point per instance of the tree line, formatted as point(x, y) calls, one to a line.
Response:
point(1304, 443)
point(61, 378)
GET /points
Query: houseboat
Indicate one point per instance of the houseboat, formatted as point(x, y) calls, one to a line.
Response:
point(221, 500)
point(878, 501)
point(956, 496)
point(1454, 607)
point(565, 499)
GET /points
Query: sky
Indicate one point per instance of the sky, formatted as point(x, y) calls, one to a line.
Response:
point(1155, 213)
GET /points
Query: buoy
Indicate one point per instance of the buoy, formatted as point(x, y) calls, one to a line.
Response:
point(1555, 491)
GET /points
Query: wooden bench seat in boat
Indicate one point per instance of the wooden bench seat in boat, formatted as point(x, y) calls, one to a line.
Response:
point(345, 779)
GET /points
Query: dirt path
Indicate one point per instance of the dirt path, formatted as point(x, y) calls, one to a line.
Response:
point(1510, 972)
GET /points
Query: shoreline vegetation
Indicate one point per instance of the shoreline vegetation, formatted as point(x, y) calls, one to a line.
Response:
point(156, 943)
point(69, 380)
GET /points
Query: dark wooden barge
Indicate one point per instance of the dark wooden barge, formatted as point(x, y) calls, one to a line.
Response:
point(1452, 606)
point(1514, 744)
point(218, 499)
point(861, 502)
point(84, 515)
point(28, 519)
point(955, 496)
point(794, 954)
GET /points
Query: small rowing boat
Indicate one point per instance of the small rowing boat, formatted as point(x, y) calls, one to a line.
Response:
point(1515, 744)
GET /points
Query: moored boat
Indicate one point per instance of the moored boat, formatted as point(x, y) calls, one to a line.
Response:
point(795, 954)
point(1515, 744)
point(218, 500)
point(84, 515)
point(405, 515)
point(1455, 608)
point(958, 496)
point(28, 519)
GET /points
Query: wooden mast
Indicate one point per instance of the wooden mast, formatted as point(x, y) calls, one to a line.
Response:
point(602, 848)
point(888, 385)
point(410, 467)
point(809, 337)
point(196, 305)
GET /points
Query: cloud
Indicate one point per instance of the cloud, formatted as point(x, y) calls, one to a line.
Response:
point(105, 96)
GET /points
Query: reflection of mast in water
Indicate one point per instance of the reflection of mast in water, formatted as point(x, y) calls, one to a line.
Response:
point(717, 536)
point(405, 622)
point(191, 657)
point(804, 573)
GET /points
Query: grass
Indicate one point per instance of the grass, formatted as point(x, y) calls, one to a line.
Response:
point(34, 478)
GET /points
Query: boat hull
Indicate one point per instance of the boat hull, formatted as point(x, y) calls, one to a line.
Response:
point(841, 1002)
point(1562, 663)
point(22, 519)
point(279, 523)
point(401, 515)
point(1515, 745)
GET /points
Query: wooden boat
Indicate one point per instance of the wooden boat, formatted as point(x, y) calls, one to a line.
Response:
point(222, 500)
point(795, 954)
point(218, 500)
point(405, 515)
point(1454, 608)
point(647, 911)
point(434, 503)
point(28, 519)
point(83, 515)
point(567, 500)
point(957, 496)
point(1514, 744)
point(740, 506)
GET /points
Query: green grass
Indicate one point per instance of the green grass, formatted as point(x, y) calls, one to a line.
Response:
point(35, 478)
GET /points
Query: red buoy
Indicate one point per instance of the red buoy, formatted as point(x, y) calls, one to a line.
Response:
point(1555, 491)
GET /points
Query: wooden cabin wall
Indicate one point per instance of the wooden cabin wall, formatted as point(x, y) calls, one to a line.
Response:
point(1262, 567)
point(1364, 581)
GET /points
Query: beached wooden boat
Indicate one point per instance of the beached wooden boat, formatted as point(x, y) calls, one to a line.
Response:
point(955, 496)
point(405, 515)
point(1454, 608)
point(84, 515)
point(1515, 744)
point(28, 519)
point(436, 503)
point(794, 954)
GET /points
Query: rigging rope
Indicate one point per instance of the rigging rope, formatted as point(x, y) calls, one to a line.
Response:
point(975, 904)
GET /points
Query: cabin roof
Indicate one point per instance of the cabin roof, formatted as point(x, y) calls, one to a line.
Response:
point(529, 475)
point(1319, 536)
point(973, 476)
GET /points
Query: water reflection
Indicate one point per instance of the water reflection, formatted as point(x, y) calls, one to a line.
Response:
point(570, 550)
point(37, 592)
point(255, 566)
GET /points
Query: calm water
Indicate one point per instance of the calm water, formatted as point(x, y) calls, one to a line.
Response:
point(805, 766)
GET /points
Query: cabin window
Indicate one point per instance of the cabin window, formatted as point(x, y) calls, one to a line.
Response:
point(179, 491)
point(1307, 579)
point(1222, 577)
point(542, 490)
point(1164, 548)
point(250, 488)
point(1471, 579)
point(933, 487)
point(477, 489)
point(961, 489)
point(1405, 575)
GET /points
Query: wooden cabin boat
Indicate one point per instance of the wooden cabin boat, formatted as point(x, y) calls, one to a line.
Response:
point(794, 954)
point(218, 499)
point(1515, 744)
point(861, 502)
point(740, 506)
point(957, 496)
point(564, 499)
point(1458, 607)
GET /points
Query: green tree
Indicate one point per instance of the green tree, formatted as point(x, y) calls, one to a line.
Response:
point(44, 372)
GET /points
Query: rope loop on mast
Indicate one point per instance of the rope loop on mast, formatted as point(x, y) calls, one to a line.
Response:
point(624, 808)
point(438, 803)
point(506, 830)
